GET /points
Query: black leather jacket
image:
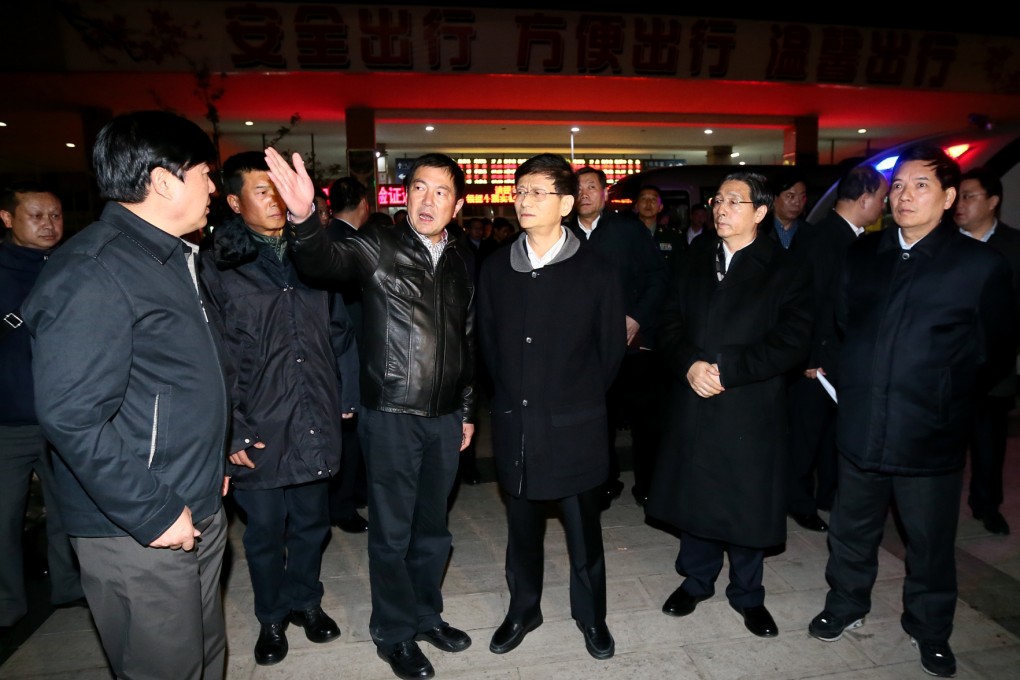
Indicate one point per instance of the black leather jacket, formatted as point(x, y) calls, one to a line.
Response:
point(418, 354)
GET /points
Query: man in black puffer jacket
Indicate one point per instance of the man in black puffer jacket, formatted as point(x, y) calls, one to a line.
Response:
point(286, 356)
point(417, 389)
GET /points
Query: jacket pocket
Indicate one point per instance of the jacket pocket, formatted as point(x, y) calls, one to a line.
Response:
point(160, 427)
point(409, 282)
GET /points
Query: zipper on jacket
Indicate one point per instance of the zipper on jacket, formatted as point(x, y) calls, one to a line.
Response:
point(155, 421)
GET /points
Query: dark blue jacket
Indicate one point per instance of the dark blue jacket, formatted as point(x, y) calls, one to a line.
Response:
point(129, 387)
point(926, 331)
point(19, 268)
point(287, 358)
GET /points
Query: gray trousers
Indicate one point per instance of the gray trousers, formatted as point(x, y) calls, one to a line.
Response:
point(23, 450)
point(159, 612)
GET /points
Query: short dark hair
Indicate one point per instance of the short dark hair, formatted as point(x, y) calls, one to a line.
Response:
point(761, 195)
point(650, 187)
point(443, 162)
point(235, 167)
point(9, 194)
point(989, 181)
point(552, 166)
point(588, 170)
point(784, 179)
point(863, 179)
point(346, 193)
point(132, 145)
point(947, 171)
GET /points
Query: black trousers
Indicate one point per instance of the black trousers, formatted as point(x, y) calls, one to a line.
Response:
point(928, 508)
point(988, 453)
point(525, 557)
point(412, 466)
point(284, 537)
point(635, 401)
point(348, 489)
point(811, 478)
point(701, 559)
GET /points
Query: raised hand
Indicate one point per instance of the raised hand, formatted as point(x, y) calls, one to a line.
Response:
point(293, 184)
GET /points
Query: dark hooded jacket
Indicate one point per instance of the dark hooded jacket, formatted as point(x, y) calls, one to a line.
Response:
point(292, 361)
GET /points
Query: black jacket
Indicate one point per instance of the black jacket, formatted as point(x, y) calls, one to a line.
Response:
point(418, 356)
point(128, 381)
point(19, 268)
point(553, 339)
point(624, 242)
point(925, 332)
point(288, 357)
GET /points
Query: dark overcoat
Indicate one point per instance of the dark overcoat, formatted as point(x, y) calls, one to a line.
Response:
point(927, 330)
point(553, 339)
point(721, 470)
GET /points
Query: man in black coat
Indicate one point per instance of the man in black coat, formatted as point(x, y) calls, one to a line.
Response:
point(289, 359)
point(735, 322)
point(930, 323)
point(348, 202)
point(552, 331)
point(623, 241)
point(977, 213)
point(812, 482)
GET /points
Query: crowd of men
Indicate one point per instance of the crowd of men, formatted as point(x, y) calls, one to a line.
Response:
point(304, 359)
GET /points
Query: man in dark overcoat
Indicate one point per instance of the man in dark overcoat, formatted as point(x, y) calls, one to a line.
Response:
point(929, 322)
point(552, 331)
point(977, 215)
point(737, 318)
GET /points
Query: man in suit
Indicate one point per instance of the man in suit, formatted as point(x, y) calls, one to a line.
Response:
point(785, 224)
point(735, 321)
point(700, 230)
point(551, 327)
point(624, 242)
point(348, 201)
point(930, 323)
point(977, 215)
point(860, 198)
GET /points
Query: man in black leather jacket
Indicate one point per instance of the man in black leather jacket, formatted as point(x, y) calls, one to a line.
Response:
point(417, 389)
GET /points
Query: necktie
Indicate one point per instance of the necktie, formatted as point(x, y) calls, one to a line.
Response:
point(720, 262)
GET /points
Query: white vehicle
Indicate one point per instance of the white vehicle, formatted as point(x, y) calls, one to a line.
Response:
point(997, 148)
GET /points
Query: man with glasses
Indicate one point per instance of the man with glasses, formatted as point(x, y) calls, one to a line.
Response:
point(625, 243)
point(977, 215)
point(551, 330)
point(735, 321)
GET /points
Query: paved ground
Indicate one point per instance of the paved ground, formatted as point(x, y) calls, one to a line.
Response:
point(711, 644)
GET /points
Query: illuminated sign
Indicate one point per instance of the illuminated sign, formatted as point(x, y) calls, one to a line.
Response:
point(500, 171)
point(390, 195)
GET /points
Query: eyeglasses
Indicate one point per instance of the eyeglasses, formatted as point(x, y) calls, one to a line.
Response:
point(719, 201)
point(972, 197)
point(538, 194)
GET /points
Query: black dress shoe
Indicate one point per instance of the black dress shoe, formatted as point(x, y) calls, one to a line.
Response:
point(469, 475)
point(445, 637)
point(355, 524)
point(510, 634)
point(317, 624)
point(810, 521)
point(640, 496)
point(994, 522)
point(682, 603)
point(271, 646)
point(598, 640)
point(759, 621)
point(76, 602)
point(611, 490)
point(407, 661)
